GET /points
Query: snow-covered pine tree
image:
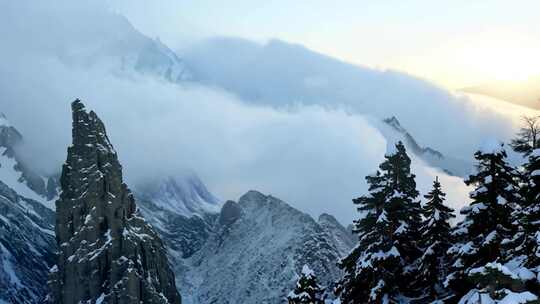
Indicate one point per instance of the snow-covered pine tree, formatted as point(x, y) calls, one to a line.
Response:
point(488, 223)
point(435, 239)
point(381, 268)
point(307, 290)
point(525, 252)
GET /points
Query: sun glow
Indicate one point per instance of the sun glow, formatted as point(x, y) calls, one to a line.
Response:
point(502, 62)
point(475, 59)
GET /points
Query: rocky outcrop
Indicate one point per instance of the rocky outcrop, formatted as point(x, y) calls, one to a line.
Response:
point(229, 213)
point(107, 251)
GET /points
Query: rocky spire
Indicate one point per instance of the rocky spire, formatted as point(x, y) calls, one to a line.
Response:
point(107, 251)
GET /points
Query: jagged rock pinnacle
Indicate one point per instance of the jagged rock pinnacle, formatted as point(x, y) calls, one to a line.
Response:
point(107, 252)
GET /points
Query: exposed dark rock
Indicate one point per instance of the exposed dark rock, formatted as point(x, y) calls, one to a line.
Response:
point(229, 213)
point(107, 251)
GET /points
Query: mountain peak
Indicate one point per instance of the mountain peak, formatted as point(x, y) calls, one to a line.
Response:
point(253, 196)
point(325, 217)
point(88, 130)
point(394, 122)
point(107, 251)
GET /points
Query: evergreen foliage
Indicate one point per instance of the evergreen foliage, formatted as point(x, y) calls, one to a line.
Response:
point(436, 239)
point(307, 289)
point(525, 247)
point(492, 256)
point(382, 268)
point(488, 223)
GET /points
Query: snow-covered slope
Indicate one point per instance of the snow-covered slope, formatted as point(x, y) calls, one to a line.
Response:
point(342, 237)
point(26, 223)
point(256, 249)
point(183, 195)
point(26, 247)
point(17, 175)
point(181, 209)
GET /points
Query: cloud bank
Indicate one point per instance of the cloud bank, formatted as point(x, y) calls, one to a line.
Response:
point(280, 74)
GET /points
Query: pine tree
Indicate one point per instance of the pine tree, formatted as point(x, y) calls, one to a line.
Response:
point(525, 246)
point(382, 266)
point(525, 251)
point(488, 223)
point(436, 239)
point(307, 289)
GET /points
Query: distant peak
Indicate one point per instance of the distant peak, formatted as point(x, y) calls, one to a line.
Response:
point(325, 217)
point(392, 119)
point(394, 122)
point(253, 195)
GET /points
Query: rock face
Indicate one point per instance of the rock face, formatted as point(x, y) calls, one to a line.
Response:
point(107, 251)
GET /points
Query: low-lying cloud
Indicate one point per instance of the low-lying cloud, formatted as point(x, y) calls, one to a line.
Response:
point(313, 157)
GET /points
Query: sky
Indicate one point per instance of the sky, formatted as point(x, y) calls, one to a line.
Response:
point(455, 44)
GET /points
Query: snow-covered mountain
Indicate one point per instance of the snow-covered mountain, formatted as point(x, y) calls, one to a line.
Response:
point(181, 209)
point(245, 252)
point(255, 250)
point(15, 172)
point(26, 223)
point(26, 247)
point(261, 242)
